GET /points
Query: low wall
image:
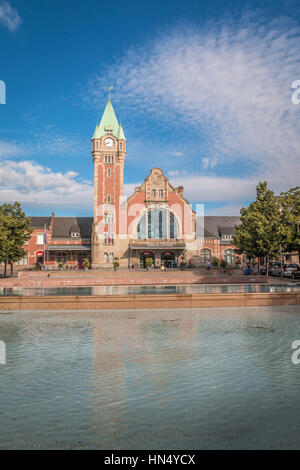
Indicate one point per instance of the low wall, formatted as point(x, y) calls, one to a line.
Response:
point(102, 302)
point(128, 278)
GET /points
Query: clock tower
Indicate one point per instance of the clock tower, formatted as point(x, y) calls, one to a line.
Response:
point(109, 153)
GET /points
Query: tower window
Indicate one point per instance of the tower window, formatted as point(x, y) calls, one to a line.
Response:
point(109, 219)
point(108, 199)
point(108, 158)
point(109, 172)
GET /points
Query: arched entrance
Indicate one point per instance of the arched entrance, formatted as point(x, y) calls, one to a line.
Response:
point(143, 256)
point(168, 259)
point(39, 258)
point(80, 257)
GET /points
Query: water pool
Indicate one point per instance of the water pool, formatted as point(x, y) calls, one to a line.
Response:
point(151, 290)
point(190, 379)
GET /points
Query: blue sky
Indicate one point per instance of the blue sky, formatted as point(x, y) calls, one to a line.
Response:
point(203, 90)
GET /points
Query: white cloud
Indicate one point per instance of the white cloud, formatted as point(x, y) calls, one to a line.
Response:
point(9, 17)
point(34, 184)
point(215, 188)
point(231, 81)
point(11, 149)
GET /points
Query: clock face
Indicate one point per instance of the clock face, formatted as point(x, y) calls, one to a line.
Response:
point(108, 142)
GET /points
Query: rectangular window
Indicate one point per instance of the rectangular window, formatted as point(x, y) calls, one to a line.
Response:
point(108, 198)
point(161, 193)
point(153, 192)
point(40, 239)
point(109, 172)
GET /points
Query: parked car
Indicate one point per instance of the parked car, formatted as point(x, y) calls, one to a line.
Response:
point(271, 268)
point(288, 269)
point(275, 269)
point(296, 274)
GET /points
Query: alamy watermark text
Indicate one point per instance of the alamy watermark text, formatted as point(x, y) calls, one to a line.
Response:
point(2, 353)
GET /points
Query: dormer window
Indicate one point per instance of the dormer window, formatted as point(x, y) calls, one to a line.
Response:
point(227, 237)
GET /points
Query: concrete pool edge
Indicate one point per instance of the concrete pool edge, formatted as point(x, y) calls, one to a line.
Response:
point(147, 301)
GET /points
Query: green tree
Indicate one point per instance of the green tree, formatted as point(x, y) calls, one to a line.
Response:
point(262, 230)
point(15, 231)
point(290, 205)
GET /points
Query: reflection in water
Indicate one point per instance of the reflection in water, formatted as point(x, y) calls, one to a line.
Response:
point(160, 379)
point(150, 290)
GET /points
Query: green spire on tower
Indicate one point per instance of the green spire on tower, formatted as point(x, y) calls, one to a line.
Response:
point(109, 123)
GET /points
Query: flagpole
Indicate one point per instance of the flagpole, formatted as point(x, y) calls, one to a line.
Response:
point(45, 246)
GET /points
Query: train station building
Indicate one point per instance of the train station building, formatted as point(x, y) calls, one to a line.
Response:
point(156, 221)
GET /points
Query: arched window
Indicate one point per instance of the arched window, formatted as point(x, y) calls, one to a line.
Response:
point(161, 224)
point(105, 258)
point(229, 256)
point(205, 255)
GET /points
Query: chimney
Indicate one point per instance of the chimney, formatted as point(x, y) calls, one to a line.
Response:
point(51, 223)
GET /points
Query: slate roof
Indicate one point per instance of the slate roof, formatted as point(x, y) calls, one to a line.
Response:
point(39, 222)
point(215, 226)
point(226, 230)
point(63, 226)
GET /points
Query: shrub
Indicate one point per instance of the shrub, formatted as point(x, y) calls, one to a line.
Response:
point(215, 262)
point(86, 263)
point(148, 262)
point(224, 264)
